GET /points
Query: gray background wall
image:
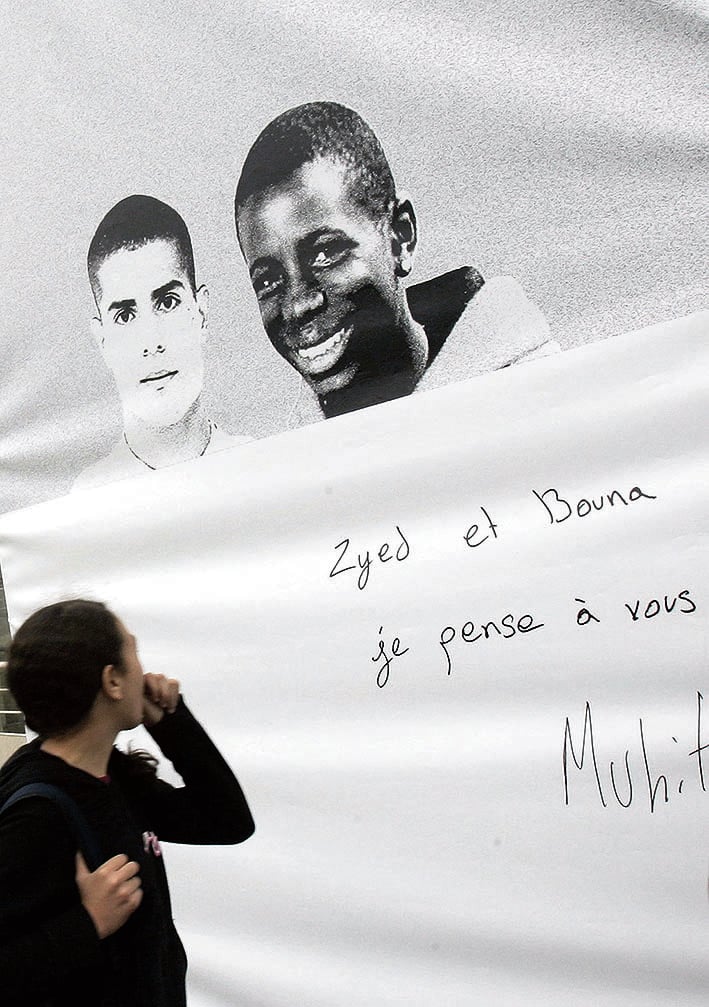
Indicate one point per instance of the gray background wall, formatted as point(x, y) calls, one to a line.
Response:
point(558, 142)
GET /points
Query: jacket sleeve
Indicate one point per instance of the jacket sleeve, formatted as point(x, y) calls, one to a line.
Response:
point(211, 807)
point(47, 939)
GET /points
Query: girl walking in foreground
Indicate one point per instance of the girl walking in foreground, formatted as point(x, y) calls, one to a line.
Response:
point(70, 934)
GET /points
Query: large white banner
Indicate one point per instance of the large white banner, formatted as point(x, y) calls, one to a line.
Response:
point(456, 650)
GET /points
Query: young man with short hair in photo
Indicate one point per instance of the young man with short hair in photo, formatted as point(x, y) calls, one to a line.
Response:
point(151, 325)
point(328, 242)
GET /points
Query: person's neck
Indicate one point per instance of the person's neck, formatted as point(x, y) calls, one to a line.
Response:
point(400, 378)
point(88, 749)
point(157, 447)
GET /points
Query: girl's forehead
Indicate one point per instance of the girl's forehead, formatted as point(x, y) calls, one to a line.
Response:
point(124, 631)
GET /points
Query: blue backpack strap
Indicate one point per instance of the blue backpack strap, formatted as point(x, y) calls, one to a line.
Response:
point(80, 827)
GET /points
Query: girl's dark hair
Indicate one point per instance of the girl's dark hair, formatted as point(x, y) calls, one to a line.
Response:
point(134, 765)
point(55, 663)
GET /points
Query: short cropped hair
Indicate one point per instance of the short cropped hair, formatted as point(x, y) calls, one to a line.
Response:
point(134, 222)
point(319, 129)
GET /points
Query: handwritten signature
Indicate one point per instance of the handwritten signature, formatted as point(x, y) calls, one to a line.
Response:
point(622, 783)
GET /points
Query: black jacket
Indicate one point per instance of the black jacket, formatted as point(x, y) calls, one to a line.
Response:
point(50, 953)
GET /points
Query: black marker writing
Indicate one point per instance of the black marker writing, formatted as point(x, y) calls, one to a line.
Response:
point(659, 786)
point(381, 655)
point(471, 632)
point(584, 616)
point(364, 560)
point(569, 747)
point(559, 509)
point(700, 747)
point(472, 535)
point(653, 607)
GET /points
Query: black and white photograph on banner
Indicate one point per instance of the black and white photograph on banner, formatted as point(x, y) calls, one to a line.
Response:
point(544, 173)
point(328, 243)
point(150, 322)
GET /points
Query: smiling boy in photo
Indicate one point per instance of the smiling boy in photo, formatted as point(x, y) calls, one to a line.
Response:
point(328, 241)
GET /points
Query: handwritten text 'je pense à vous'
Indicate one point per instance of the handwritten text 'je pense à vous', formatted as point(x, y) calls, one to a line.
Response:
point(556, 509)
point(579, 744)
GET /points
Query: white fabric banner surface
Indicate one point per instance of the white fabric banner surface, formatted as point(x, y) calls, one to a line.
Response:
point(407, 629)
